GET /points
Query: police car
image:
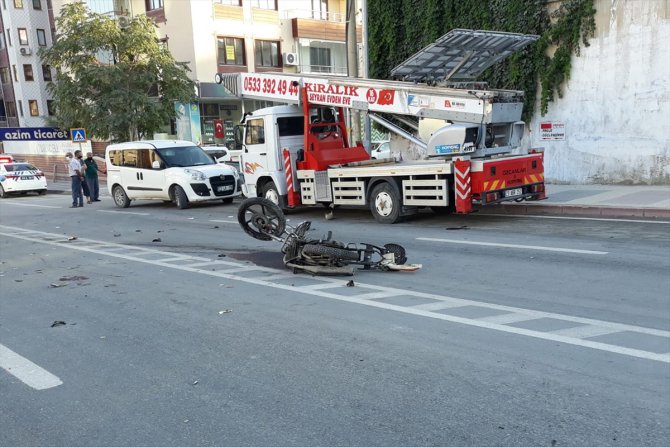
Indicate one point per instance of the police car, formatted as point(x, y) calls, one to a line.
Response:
point(20, 177)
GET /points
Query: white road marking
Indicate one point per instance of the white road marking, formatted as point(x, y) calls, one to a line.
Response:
point(509, 318)
point(31, 204)
point(601, 219)
point(438, 305)
point(524, 247)
point(26, 371)
point(584, 331)
point(223, 221)
point(321, 290)
point(124, 212)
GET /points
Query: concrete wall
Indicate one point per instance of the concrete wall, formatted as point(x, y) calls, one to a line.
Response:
point(616, 105)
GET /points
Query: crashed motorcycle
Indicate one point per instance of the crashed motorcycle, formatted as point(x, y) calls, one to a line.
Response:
point(263, 220)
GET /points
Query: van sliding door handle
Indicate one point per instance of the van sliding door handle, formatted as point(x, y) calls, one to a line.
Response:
point(263, 153)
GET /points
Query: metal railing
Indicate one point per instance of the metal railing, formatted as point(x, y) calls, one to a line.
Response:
point(313, 14)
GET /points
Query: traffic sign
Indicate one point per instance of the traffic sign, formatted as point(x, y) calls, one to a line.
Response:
point(78, 135)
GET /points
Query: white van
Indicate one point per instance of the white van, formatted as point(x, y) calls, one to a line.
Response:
point(168, 170)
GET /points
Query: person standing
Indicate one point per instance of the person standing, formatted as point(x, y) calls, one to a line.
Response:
point(84, 185)
point(92, 177)
point(74, 171)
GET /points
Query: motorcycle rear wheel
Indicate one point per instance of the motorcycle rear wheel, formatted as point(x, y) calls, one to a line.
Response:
point(335, 253)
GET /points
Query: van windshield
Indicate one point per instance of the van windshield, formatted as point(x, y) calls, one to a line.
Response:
point(184, 156)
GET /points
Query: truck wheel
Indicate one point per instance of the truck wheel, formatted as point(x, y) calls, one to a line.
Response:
point(385, 203)
point(335, 253)
point(271, 193)
point(180, 198)
point(120, 198)
point(261, 219)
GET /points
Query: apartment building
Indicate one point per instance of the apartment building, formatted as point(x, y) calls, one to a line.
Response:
point(227, 36)
point(25, 27)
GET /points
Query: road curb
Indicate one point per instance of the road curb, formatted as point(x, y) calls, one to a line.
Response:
point(577, 210)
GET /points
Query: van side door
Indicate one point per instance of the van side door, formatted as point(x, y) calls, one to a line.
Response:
point(130, 175)
point(152, 181)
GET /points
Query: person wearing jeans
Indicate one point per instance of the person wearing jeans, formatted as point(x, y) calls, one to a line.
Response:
point(74, 171)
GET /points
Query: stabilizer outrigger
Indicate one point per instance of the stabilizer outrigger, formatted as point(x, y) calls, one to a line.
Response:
point(263, 220)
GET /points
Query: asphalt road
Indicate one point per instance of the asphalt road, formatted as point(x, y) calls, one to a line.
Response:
point(180, 330)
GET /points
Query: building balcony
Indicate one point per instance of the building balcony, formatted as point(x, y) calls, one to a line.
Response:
point(322, 29)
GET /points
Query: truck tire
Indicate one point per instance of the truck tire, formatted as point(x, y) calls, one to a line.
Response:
point(271, 193)
point(180, 198)
point(120, 197)
point(261, 219)
point(385, 203)
point(336, 253)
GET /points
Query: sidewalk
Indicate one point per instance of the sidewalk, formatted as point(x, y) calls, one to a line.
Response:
point(569, 200)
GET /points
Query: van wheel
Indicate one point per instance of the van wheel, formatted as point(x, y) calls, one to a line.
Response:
point(180, 198)
point(271, 193)
point(3, 194)
point(120, 198)
point(385, 203)
point(42, 192)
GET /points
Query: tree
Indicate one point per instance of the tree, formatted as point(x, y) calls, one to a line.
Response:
point(118, 82)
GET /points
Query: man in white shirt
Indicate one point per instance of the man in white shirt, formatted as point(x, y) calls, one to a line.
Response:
point(74, 171)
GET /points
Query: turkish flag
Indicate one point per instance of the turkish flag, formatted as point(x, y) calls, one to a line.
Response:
point(218, 129)
point(386, 97)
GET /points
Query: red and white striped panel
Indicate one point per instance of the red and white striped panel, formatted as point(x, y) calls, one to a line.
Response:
point(463, 184)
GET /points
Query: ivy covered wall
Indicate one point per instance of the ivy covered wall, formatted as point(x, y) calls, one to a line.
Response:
point(399, 28)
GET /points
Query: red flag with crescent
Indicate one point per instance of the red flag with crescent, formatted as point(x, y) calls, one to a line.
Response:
point(386, 97)
point(218, 129)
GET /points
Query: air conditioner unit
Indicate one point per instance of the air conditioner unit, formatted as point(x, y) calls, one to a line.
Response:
point(26, 51)
point(123, 21)
point(290, 58)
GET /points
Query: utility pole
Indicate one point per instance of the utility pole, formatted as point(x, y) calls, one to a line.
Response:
point(352, 64)
point(366, 72)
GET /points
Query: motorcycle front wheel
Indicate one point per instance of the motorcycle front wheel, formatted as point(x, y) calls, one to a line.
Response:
point(261, 219)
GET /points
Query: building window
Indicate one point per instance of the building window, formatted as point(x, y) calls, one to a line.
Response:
point(46, 72)
point(23, 36)
point(4, 75)
point(11, 109)
point(51, 107)
point(34, 110)
point(37, 4)
point(267, 53)
point(230, 2)
point(264, 4)
point(231, 51)
point(18, 3)
point(28, 72)
point(154, 4)
point(41, 38)
point(319, 59)
point(320, 9)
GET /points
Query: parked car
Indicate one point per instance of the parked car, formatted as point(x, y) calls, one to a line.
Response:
point(382, 150)
point(168, 170)
point(20, 177)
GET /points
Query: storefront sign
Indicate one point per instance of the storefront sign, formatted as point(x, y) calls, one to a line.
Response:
point(33, 134)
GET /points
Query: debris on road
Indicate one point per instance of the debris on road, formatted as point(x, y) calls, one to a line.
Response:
point(222, 255)
point(351, 283)
point(226, 311)
point(157, 240)
point(462, 227)
point(54, 285)
point(58, 323)
point(117, 235)
point(72, 278)
point(72, 238)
